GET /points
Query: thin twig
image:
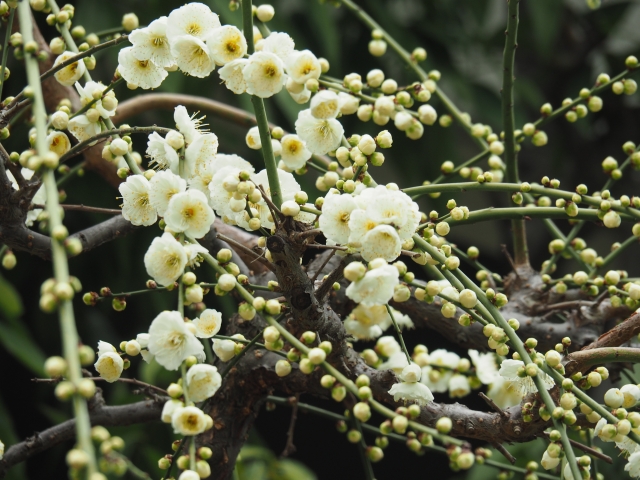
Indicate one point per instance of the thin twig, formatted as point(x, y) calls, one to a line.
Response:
point(131, 381)
point(290, 447)
point(324, 264)
point(85, 208)
point(506, 453)
point(586, 449)
point(239, 246)
point(493, 405)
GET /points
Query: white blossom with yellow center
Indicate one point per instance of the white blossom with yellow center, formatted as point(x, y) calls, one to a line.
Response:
point(227, 43)
point(320, 135)
point(208, 323)
point(192, 56)
point(70, 74)
point(233, 77)
point(336, 213)
point(171, 342)
point(165, 185)
point(189, 212)
point(136, 205)
point(203, 381)
point(109, 366)
point(151, 43)
point(294, 152)
point(145, 74)
point(58, 142)
point(188, 421)
point(264, 74)
point(303, 66)
point(165, 259)
point(194, 19)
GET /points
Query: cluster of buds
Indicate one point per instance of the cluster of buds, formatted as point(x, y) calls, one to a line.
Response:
point(53, 293)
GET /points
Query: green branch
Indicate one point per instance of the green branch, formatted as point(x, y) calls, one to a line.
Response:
point(70, 339)
point(5, 50)
point(261, 115)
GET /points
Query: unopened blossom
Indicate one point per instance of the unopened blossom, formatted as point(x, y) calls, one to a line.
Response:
point(151, 43)
point(320, 135)
point(233, 77)
point(109, 366)
point(58, 142)
point(136, 206)
point(325, 104)
point(224, 349)
point(567, 475)
point(376, 287)
point(264, 74)
point(203, 381)
point(280, 44)
point(208, 323)
point(70, 74)
point(193, 19)
point(164, 185)
point(188, 421)
point(548, 462)
point(189, 475)
point(192, 56)
point(348, 104)
point(165, 260)
point(143, 73)
point(525, 385)
point(171, 341)
point(189, 212)
point(226, 43)
point(294, 152)
point(226, 166)
point(303, 66)
point(486, 367)
point(334, 221)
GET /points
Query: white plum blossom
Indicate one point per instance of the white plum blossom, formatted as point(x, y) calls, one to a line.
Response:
point(253, 139)
point(396, 362)
point(486, 367)
point(294, 152)
point(40, 198)
point(208, 323)
point(381, 242)
point(348, 104)
point(109, 366)
point(227, 166)
point(188, 421)
point(161, 153)
point(145, 74)
point(280, 44)
point(411, 390)
point(388, 346)
point(525, 385)
point(165, 185)
point(320, 135)
point(193, 19)
point(151, 43)
point(190, 126)
point(567, 475)
point(171, 342)
point(136, 205)
point(202, 149)
point(189, 212)
point(459, 386)
point(303, 66)
point(233, 77)
point(325, 104)
point(165, 259)
point(203, 381)
point(226, 43)
point(192, 56)
point(376, 287)
point(58, 142)
point(503, 393)
point(334, 221)
point(548, 462)
point(224, 349)
point(90, 91)
point(82, 128)
point(633, 467)
point(70, 74)
point(437, 379)
point(194, 254)
point(169, 408)
point(264, 74)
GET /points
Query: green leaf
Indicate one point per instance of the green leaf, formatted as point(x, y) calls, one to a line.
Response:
point(10, 301)
point(17, 340)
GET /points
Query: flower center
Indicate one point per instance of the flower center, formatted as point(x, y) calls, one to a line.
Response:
point(231, 47)
point(158, 41)
point(194, 29)
point(188, 212)
point(143, 200)
point(270, 71)
point(143, 63)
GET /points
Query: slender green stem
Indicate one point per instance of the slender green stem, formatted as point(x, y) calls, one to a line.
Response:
point(131, 467)
point(632, 240)
point(69, 175)
point(261, 115)
point(362, 449)
point(237, 358)
point(472, 161)
point(111, 86)
point(399, 333)
point(70, 339)
point(110, 31)
point(135, 292)
point(5, 50)
point(246, 342)
point(518, 231)
point(411, 63)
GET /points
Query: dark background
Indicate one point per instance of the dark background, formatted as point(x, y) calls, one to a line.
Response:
point(562, 47)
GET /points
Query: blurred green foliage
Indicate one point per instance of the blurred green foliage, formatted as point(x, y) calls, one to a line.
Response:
point(562, 47)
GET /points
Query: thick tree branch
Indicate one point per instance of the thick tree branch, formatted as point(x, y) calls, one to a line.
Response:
point(100, 414)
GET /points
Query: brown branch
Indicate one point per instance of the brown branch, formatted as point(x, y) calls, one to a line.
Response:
point(582, 360)
point(290, 447)
point(506, 453)
point(85, 208)
point(247, 251)
point(493, 405)
point(99, 414)
point(621, 333)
